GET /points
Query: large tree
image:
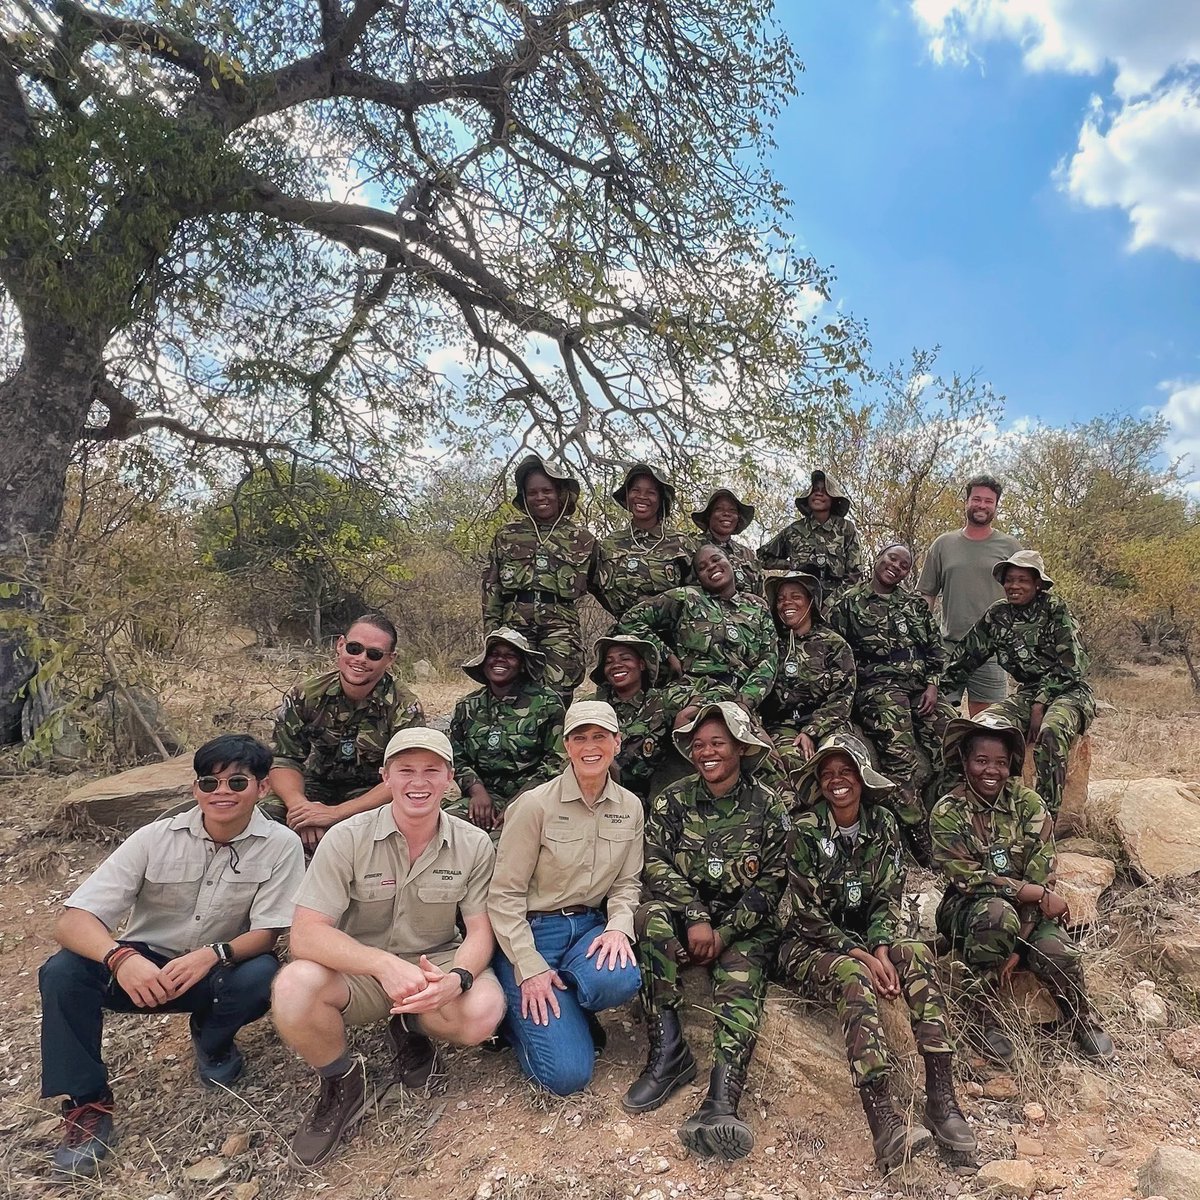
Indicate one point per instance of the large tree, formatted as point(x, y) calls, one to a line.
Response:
point(322, 224)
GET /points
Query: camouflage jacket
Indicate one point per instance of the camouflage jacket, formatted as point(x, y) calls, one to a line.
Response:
point(507, 744)
point(814, 685)
point(731, 642)
point(893, 638)
point(544, 563)
point(336, 741)
point(984, 848)
point(645, 737)
point(829, 550)
point(719, 859)
point(747, 570)
point(631, 564)
point(1038, 645)
point(845, 898)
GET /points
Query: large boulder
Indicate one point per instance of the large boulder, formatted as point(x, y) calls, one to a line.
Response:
point(128, 801)
point(1171, 1171)
point(1071, 813)
point(1157, 821)
point(1181, 956)
point(1082, 880)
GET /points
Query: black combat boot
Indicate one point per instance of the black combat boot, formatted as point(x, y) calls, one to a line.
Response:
point(895, 1142)
point(1090, 1039)
point(669, 1065)
point(943, 1117)
point(716, 1128)
point(920, 844)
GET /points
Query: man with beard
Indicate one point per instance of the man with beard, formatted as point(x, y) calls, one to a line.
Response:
point(958, 570)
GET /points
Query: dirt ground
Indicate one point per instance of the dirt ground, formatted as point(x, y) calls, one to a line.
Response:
point(483, 1132)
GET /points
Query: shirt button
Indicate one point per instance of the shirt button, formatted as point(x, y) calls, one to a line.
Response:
point(210, 883)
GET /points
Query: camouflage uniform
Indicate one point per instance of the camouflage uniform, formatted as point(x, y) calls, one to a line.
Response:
point(986, 850)
point(813, 691)
point(728, 648)
point(508, 744)
point(844, 898)
point(718, 860)
point(747, 570)
point(632, 564)
point(1039, 646)
point(645, 737)
point(535, 576)
point(337, 743)
point(829, 549)
point(897, 653)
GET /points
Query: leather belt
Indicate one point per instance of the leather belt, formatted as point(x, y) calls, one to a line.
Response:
point(571, 910)
point(539, 598)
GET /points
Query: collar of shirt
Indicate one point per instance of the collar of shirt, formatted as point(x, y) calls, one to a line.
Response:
point(385, 827)
point(570, 790)
point(193, 821)
point(379, 692)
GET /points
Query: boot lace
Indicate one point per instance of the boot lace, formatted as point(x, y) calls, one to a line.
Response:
point(83, 1122)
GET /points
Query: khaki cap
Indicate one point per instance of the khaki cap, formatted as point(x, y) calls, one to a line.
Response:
point(736, 721)
point(419, 738)
point(875, 785)
point(1031, 560)
point(535, 660)
point(553, 471)
point(665, 486)
point(591, 712)
point(962, 728)
point(745, 511)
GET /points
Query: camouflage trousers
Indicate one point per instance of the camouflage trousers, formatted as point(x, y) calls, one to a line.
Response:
point(827, 975)
point(888, 717)
point(554, 630)
point(985, 930)
point(1065, 719)
point(739, 979)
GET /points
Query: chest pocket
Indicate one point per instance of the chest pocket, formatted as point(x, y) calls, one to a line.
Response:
point(235, 893)
point(369, 917)
point(174, 886)
point(437, 909)
point(569, 847)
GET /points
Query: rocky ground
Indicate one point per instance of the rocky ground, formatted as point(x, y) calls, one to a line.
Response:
point(1052, 1127)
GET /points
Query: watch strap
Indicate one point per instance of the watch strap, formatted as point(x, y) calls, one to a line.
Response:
point(467, 978)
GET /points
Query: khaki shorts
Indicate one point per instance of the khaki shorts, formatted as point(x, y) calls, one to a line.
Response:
point(986, 685)
point(368, 1001)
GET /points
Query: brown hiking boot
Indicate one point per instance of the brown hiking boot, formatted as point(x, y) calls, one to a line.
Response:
point(895, 1142)
point(943, 1117)
point(415, 1054)
point(340, 1104)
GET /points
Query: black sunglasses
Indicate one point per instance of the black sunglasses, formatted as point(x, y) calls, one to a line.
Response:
point(354, 649)
point(237, 783)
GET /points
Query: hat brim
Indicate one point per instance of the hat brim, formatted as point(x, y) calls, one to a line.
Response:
point(621, 495)
point(839, 502)
point(682, 737)
point(876, 786)
point(700, 517)
point(535, 462)
point(645, 650)
point(810, 583)
point(999, 569)
point(961, 729)
point(534, 661)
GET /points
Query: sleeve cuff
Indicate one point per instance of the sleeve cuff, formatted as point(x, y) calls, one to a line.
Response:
point(529, 966)
point(282, 761)
point(620, 925)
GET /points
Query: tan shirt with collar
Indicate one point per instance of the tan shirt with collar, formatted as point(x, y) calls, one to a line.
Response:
point(557, 851)
point(182, 890)
point(360, 877)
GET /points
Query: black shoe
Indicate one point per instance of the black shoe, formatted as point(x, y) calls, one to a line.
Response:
point(216, 1070)
point(1092, 1042)
point(669, 1065)
point(340, 1104)
point(894, 1141)
point(716, 1129)
point(599, 1036)
point(993, 1042)
point(415, 1055)
point(86, 1140)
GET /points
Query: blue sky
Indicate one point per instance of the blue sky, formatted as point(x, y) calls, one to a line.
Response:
point(1015, 180)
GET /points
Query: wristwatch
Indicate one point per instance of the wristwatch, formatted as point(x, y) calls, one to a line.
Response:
point(224, 953)
point(467, 978)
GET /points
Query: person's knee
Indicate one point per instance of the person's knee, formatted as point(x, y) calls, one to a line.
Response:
point(297, 987)
point(480, 1017)
point(63, 971)
point(564, 1077)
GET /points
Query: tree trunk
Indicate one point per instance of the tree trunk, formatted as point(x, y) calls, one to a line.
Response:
point(43, 408)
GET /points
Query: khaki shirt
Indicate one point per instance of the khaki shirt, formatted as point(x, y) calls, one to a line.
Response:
point(555, 852)
point(361, 878)
point(182, 890)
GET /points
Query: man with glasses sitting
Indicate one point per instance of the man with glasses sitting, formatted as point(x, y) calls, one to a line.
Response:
point(331, 731)
point(203, 896)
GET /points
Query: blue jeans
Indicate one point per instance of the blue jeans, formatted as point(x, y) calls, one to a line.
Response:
point(76, 992)
point(560, 1056)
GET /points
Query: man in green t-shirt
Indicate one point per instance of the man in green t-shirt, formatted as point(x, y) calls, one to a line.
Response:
point(958, 571)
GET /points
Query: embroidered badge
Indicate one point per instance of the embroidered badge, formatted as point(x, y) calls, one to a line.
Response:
point(750, 863)
point(715, 867)
point(648, 747)
point(1000, 858)
point(854, 892)
point(732, 633)
point(542, 562)
point(632, 564)
point(901, 626)
point(826, 845)
point(347, 749)
point(493, 740)
point(790, 667)
point(820, 560)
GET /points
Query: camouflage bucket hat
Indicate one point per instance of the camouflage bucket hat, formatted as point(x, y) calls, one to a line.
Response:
point(962, 728)
point(1031, 560)
point(840, 505)
point(875, 786)
point(645, 650)
point(736, 721)
point(810, 583)
point(553, 471)
point(745, 511)
point(534, 660)
point(664, 485)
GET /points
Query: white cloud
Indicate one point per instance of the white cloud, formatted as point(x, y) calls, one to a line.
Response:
point(1145, 40)
point(1145, 160)
point(1139, 151)
point(1182, 413)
